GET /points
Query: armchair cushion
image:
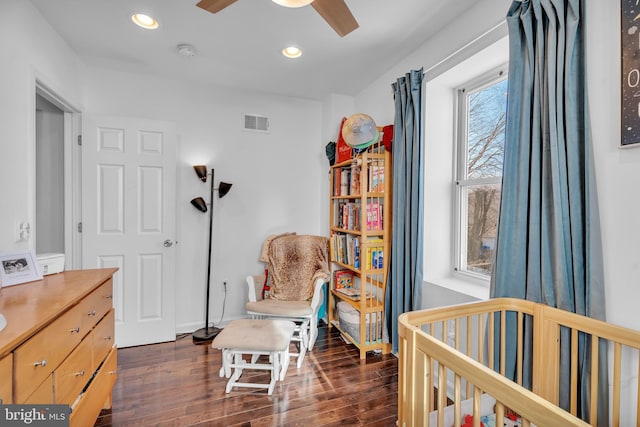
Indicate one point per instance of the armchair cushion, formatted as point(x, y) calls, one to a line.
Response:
point(280, 308)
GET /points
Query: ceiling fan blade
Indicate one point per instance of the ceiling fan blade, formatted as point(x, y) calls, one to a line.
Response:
point(337, 14)
point(214, 6)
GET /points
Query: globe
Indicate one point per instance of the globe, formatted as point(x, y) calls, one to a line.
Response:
point(360, 131)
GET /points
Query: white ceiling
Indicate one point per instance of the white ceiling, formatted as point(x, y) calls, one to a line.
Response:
point(240, 46)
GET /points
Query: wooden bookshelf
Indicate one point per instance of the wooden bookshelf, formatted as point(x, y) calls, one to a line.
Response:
point(359, 236)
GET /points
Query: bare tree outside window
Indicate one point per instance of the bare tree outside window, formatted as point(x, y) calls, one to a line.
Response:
point(482, 111)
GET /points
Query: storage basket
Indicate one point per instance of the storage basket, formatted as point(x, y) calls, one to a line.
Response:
point(349, 319)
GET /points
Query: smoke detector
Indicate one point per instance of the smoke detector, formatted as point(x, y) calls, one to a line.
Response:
point(186, 50)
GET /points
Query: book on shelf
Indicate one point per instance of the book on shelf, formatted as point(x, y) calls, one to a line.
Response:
point(346, 249)
point(353, 293)
point(345, 177)
point(375, 254)
point(374, 215)
point(351, 216)
point(376, 178)
point(337, 179)
point(354, 184)
point(342, 279)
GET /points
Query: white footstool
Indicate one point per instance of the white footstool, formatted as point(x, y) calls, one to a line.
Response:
point(256, 338)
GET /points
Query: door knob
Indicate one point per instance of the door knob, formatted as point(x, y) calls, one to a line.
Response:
point(168, 243)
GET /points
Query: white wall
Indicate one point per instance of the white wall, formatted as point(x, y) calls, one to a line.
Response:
point(30, 49)
point(617, 170)
point(277, 177)
point(377, 99)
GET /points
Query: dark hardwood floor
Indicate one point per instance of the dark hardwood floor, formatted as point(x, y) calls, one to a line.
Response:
point(177, 384)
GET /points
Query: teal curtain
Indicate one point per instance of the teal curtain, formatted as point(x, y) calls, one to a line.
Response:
point(404, 281)
point(548, 243)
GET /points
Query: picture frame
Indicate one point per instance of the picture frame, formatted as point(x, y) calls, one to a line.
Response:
point(19, 267)
point(630, 75)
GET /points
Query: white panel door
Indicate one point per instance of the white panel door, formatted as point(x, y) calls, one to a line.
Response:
point(128, 218)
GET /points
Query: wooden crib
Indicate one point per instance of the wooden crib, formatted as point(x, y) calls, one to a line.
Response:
point(445, 355)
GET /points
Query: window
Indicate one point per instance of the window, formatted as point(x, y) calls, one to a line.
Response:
point(480, 148)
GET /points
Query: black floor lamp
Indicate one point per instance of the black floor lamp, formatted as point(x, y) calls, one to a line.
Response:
point(208, 333)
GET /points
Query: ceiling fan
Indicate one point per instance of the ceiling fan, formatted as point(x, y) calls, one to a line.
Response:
point(335, 12)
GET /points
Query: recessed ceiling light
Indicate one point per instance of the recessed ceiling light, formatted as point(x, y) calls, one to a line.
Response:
point(292, 3)
point(144, 21)
point(291, 52)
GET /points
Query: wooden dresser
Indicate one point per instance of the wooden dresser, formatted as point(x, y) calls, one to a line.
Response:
point(59, 344)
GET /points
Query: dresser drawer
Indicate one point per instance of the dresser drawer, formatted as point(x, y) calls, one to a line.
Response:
point(38, 357)
point(6, 374)
point(96, 305)
point(42, 395)
point(98, 394)
point(103, 338)
point(73, 374)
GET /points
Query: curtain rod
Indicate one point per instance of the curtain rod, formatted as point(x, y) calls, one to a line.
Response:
point(487, 38)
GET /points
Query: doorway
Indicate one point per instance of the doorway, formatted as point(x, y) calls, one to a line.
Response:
point(49, 177)
point(57, 171)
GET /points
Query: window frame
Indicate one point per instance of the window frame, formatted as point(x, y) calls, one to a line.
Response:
point(461, 183)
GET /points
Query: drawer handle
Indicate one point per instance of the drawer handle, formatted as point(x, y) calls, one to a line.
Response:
point(108, 338)
point(43, 363)
point(91, 313)
point(109, 297)
point(76, 330)
point(80, 374)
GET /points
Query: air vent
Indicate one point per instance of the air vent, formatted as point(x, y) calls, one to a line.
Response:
point(255, 123)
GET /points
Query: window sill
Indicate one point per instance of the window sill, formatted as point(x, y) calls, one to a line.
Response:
point(469, 286)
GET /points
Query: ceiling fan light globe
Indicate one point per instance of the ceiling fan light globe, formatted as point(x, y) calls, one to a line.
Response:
point(293, 3)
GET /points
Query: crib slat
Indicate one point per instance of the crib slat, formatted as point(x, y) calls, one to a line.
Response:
point(457, 396)
point(594, 379)
point(445, 332)
point(457, 332)
point(499, 410)
point(480, 339)
point(574, 372)
point(442, 387)
point(430, 381)
point(477, 395)
point(427, 389)
point(520, 348)
point(617, 358)
point(469, 318)
point(503, 341)
point(491, 340)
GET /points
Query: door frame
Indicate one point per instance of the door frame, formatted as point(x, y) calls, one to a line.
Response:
point(72, 171)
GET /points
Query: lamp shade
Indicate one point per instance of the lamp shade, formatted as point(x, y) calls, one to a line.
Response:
point(199, 204)
point(201, 171)
point(223, 189)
